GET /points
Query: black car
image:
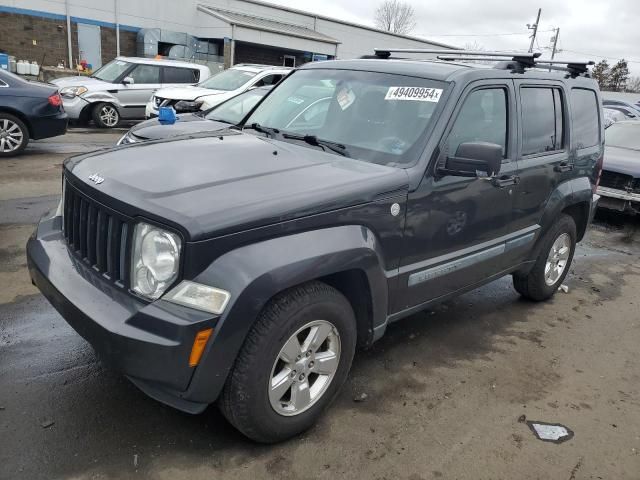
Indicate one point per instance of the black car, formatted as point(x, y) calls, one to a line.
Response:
point(28, 110)
point(620, 181)
point(245, 267)
point(224, 115)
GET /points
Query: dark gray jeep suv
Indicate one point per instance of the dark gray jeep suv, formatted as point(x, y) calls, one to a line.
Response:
point(245, 266)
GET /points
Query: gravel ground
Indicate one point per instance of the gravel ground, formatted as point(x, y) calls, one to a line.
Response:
point(447, 390)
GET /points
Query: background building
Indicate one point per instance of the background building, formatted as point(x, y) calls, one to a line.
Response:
point(224, 31)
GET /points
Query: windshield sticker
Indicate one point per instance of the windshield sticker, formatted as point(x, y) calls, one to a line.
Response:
point(120, 62)
point(345, 98)
point(296, 100)
point(418, 94)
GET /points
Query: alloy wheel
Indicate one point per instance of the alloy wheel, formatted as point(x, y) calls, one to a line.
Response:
point(304, 368)
point(557, 259)
point(11, 136)
point(109, 116)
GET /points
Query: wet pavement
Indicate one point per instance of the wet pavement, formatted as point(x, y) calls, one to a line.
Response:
point(448, 391)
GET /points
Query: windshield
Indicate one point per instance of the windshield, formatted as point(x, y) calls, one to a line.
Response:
point(111, 71)
point(377, 117)
point(234, 110)
point(228, 80)
point(624, 135)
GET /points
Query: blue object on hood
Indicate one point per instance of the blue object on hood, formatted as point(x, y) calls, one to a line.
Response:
point(167, 115)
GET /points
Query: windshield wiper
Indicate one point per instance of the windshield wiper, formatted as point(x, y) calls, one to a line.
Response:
point(266, 130)
point(316, 142)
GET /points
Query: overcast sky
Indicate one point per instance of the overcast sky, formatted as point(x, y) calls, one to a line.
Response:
point(592, 29)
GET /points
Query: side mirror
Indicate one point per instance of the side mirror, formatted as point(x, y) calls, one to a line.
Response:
point(128, 81)
point(474, 159)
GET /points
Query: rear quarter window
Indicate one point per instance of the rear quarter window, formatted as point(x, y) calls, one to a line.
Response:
point(180, 75)
point(585, 117)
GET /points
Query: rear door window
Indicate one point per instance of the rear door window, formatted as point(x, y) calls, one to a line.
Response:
point(585, 114)
point(542, 120)
point(180, 75)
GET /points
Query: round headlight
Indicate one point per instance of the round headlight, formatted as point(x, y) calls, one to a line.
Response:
point(155, 260)
point(159, 254)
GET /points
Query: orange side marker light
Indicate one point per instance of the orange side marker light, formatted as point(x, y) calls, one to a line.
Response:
point(198, 346)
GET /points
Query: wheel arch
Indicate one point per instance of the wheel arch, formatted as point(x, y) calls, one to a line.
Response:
point(347, 258)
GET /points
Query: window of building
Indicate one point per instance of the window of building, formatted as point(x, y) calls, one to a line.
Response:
point(584, 116)
point(180, 75)
point(542, 120)
point(483, 118)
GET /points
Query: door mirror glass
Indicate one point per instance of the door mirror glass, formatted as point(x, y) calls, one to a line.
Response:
point(475, 159)
point(128, 80)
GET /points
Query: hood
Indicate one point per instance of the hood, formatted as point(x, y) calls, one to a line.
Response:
point(220, 184)
point(91, 83)
point(622, 160)
point(186, 93)
point(185, 124)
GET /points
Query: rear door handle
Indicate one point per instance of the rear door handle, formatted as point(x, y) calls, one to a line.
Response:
point(505, 180)
point(563, 167)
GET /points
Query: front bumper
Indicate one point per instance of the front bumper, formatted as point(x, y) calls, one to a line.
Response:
point(150, 110)
point(74, 106)
point(619, 200)
point(149, 342)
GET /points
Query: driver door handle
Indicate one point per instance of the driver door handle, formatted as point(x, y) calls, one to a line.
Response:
point(505, 180)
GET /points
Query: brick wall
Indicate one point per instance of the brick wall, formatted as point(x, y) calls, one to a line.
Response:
point(253, 53)
point(109, 47)
point(17, 33)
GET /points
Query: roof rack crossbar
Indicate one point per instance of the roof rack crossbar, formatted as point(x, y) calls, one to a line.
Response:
point(386, 52)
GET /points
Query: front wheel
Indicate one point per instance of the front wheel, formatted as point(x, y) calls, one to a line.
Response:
point(106, 115)
point(292, 364)
point(553, 262)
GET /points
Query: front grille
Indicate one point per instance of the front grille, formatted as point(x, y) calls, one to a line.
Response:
point(96, 235)
point(163, 102)
point(615, 180)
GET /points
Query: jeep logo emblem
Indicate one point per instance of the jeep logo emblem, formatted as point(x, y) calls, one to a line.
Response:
point(96, 178)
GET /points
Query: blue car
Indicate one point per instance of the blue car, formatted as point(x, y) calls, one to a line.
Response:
point(28, 110)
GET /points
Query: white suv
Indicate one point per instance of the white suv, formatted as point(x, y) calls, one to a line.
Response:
point(122, 87)
point(217, 89)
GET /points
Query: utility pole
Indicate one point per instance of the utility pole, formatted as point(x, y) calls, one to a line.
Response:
point(534, 27)
point(555, 43)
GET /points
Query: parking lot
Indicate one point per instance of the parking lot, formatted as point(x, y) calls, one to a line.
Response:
point(443, 395)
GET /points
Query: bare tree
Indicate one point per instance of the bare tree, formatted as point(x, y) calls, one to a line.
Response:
point(395, 16)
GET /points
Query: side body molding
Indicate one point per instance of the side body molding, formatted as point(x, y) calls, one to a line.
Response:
point(255, 273)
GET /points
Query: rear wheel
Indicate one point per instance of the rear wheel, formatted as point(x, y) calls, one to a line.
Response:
point(553, 262)
point(292, 364)
point(14, 135)
point(106, 115)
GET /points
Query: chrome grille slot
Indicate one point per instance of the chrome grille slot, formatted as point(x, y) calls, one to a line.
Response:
point(96, 235)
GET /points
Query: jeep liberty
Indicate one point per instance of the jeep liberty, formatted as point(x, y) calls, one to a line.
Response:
point(244, 267)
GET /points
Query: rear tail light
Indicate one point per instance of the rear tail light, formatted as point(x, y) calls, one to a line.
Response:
point(55, 100)
point(598, 173)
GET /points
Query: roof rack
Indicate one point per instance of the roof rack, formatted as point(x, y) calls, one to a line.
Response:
point(518, 61)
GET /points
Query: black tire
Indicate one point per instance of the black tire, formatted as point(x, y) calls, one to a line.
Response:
point(17, 131)
point(245, 399)
point(533, 285)
point(102, 113)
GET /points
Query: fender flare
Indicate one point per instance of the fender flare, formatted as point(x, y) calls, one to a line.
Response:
point(254, 273)
point(572, 192)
